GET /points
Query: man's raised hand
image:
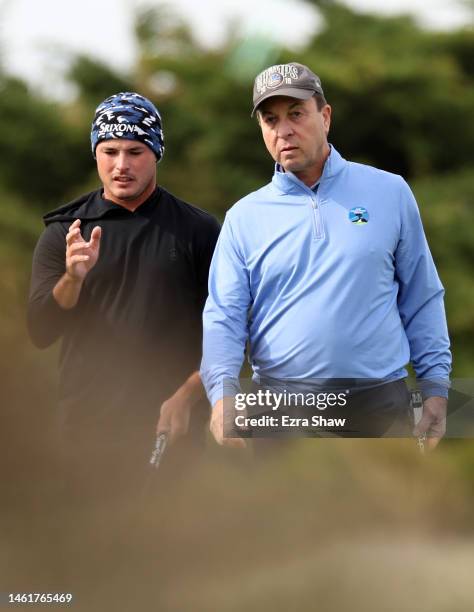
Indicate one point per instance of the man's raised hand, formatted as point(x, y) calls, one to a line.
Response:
point(81, 256)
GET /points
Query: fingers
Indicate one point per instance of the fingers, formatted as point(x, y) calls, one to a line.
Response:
point(96, 235)
point(78, 251)
point(73, 235)
point(422, 427)
point(433, 426)
point(175, 428)
point(179, 426)
point(164, 423)
point(217, 423)
point(432, 443)
point(437, 428)
point(217, 430)
point(75, 254)
point(75, 259)
point(174, 419)
point(75, 247)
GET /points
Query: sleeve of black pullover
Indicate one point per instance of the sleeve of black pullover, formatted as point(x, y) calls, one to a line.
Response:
point(206, 246)
point(46, 319)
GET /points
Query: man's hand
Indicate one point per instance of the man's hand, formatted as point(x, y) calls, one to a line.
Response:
point(175, 412)
point(81, 256)
point(433, 422)
point(174, 418)
point(217, 427)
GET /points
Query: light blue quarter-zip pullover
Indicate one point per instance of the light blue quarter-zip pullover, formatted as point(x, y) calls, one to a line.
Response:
point(332, 282)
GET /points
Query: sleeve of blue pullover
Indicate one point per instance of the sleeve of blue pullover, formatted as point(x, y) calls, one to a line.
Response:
point(225, 317)
point(420, 302)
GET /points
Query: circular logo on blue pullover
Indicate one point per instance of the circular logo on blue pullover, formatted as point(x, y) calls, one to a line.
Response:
point(358, 215)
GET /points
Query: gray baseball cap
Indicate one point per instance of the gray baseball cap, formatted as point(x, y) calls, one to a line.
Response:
point(293, 80)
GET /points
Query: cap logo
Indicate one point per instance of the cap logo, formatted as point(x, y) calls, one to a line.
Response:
point(275, 80)
point(274, 76)
point(120, 128)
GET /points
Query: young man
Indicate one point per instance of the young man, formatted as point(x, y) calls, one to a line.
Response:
point(325, 271)
point(120, 275)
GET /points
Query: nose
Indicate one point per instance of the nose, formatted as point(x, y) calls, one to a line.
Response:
point(284, 128)
point(122, 162)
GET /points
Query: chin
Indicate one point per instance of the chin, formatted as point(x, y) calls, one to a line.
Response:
point(291, 167)
point(124, 194)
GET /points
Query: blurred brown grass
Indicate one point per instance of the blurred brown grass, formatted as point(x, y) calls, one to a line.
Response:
point(322, 524)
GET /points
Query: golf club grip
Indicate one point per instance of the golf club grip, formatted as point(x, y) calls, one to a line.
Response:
point(160, 446)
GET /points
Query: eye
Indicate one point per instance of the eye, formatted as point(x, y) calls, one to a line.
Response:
point(269, 119)
point(296, 114)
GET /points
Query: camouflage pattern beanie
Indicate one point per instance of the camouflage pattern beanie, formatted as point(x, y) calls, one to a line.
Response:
point(129, 116)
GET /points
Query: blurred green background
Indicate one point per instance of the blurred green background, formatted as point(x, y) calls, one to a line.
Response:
point(403, 100)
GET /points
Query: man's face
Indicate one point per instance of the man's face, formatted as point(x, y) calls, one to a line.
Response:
point(295, 134)
point(127, 169)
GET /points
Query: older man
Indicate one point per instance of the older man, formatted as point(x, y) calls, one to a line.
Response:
point(325, 272)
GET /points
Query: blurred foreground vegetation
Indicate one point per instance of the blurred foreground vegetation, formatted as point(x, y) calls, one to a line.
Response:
point(359, 525)
point(403, 100)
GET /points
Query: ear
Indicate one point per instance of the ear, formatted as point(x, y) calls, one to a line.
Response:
point(326, 113)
